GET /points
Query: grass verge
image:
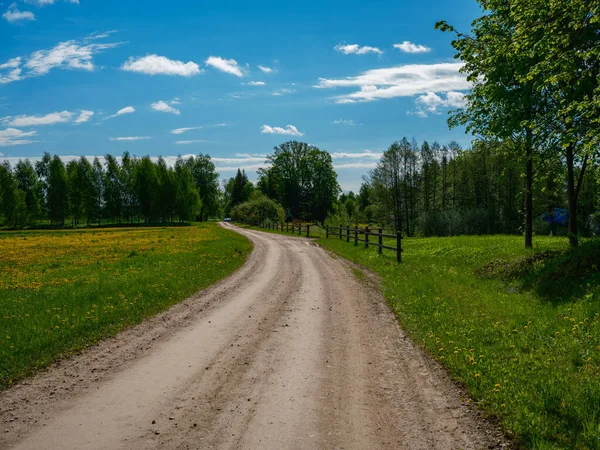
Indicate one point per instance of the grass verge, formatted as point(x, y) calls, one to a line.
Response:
point(61, 291)
point(520, 329)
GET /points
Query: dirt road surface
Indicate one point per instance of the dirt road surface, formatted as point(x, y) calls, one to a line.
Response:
point(290, 352)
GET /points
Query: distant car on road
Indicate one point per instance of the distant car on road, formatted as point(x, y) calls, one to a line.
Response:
point(227, 219)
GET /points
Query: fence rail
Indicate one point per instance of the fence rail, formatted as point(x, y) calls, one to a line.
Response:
point(289, 227)
point(345, 232)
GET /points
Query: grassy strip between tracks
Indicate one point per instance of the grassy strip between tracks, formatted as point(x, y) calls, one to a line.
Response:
point(519, 329)
point(61, 291)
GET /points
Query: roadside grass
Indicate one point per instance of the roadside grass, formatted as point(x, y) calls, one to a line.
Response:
point(524, 339)
point(61, 291)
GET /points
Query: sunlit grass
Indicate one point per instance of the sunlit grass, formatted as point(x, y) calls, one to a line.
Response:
point(531, 360)
point(60, 291)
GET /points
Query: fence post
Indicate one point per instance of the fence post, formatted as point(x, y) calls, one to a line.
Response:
point(348, 233)
point(307, 230)
point(326, 232)
point(380, 240)
point(340, 232)
point(292, 227)
point(300, 229)
point(367, 237)
point(356, 236)
point(398, 247)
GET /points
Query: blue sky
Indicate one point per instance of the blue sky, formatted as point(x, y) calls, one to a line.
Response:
point(229, 78)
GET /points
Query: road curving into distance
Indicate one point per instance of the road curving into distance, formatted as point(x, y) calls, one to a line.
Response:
point(292, 351)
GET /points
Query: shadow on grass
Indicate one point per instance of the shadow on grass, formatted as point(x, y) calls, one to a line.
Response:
point(558, 277)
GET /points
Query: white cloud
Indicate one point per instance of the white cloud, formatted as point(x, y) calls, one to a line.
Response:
point(409, 47)
point(12, 70)
point(1, 154)
point(30, 121)
point(256, 83)
point(160, 65)
point(349, 122)
point(431, 102)
point(162, 106)
point(175, 101)
point(84, 116)
point(400, 81)
point(12, 136)
point(281, 92)
point(265, 69)
point(348, 49)
point(225, 65)
point(183, 130)
point(359, 165)
point(130, 138)
point(289, 129)
point(13, 14)
point(48, 2)
point(366, 154)
point(126, 110)
point(195, 141)
point(66, 55)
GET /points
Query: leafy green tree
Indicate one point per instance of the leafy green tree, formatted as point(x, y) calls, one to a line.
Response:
point(58, 191)
point(146, 183)
point(207, 183)
point(29, 183)
point(113, 189)
point(12, 199)
point(302, 178)
point(187, 200)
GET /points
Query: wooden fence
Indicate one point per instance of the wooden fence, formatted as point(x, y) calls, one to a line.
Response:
point(289, 227)
point(345, 232)
point(354, 233)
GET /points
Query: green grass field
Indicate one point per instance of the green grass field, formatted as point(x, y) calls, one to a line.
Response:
point(522, 333)
point(61, 291)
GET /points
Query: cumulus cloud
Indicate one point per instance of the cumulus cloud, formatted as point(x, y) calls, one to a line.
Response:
point(256, 83)
point(30, 121)
point(358, 165)
point(195, 141)
point(126, 110)
point(431, 102)
point(13, 136)
point(349, 49)
point(225, 65)
point(183, 130)
point(289, 130)
point(162, 106)
point(400, 81)
point(409, 47)
point(130, 138)
point(13, 14)
point(84, 116)
point(161, 65)
point(265, 69)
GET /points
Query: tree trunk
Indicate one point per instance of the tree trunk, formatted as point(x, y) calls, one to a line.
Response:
point(573, 194)
point(529, 193)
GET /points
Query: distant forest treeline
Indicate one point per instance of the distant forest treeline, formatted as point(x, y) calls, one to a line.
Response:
point(84, 192)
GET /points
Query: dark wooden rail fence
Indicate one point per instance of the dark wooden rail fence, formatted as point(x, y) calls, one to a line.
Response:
point(288, 227)
point(342, 232)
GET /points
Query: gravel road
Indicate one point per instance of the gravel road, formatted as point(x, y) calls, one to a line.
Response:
point(292, 351)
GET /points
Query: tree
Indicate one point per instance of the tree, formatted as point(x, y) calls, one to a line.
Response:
point(146, 183)
point(113, 189)
point(29, 183)
point(207, 183)
point(302, 179)
point(12, 199)
point(502, 102)
point(564, 37)
point(58, 191)
point(187, 200)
